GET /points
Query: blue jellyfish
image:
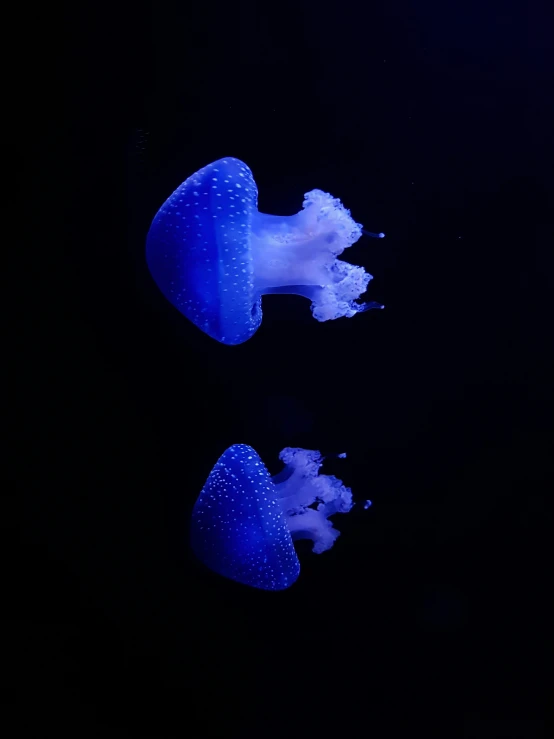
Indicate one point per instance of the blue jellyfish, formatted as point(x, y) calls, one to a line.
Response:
point(213, 254)
point(244, 521)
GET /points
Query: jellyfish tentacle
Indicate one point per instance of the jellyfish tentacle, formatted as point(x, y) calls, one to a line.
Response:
point(373, 235)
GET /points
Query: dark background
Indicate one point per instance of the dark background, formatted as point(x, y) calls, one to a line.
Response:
point(433, 123)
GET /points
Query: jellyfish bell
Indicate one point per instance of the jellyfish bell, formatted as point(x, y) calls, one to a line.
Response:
point(238, 529)
point(198, 251)
point(244, 521)
point(213, 254)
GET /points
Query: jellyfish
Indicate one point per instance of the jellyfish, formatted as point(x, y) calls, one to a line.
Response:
point(213, 254)
point(244, 521)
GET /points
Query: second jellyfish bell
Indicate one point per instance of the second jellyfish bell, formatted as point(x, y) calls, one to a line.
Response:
point(244, 521)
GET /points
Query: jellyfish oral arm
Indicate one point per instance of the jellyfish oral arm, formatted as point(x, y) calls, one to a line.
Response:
point(310, 525)
point(298, 254)
point(300, 487)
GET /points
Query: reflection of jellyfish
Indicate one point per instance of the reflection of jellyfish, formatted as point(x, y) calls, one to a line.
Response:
point(213, 255)
point(244, 521)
